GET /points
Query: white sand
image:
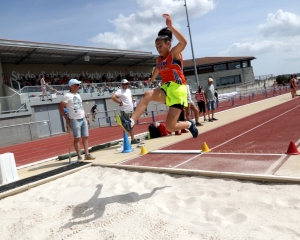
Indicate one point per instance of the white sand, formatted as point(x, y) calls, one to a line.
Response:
point(104, 203)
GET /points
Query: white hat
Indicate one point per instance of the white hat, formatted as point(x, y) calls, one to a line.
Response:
point(73, 81)
point(124, 81)
point(210, 80)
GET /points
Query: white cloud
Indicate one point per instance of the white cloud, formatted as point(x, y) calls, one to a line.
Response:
point(278, 34)
point(252, 48)
point(138, 30)
point(281, 24)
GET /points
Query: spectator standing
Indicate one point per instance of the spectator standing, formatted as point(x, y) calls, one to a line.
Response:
point(217, 97)
point(293, 86)
point(93, 112)
point(76, 119)
point(44, 90)
point(134, 104)
point(201, 101)
point(275, 88)
point(296, 84)
point(209, 92)
point(124, 98)
point(191, 106)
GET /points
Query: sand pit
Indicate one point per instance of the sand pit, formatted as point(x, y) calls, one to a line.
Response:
point(105, 203)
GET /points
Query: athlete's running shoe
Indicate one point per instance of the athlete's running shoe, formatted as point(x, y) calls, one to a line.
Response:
point(124, 123)
point(193, 129)
point(135, 141)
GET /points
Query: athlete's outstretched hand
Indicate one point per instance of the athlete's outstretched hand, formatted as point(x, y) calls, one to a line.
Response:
point(168, 19)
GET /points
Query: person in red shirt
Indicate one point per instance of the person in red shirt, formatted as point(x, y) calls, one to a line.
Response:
point(201, 101)
point(173, 90)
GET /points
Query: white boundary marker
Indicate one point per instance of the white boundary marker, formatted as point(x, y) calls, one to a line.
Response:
point(177, 151)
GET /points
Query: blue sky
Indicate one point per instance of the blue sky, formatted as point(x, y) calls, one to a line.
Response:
point(269, 30)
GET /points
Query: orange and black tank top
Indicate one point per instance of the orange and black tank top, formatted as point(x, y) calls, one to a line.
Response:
point(171, 70)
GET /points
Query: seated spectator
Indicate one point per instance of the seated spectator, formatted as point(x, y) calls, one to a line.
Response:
point(105, 88)
point(162, 128)
point(100, 91)
point(54, 91)
point(23, 83)
point(110, 89)
point(85, 88)
point(141, 85)
point(157, 130)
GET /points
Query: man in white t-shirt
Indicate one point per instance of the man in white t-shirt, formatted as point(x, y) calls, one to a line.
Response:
point(77, 119)
point(124, 98)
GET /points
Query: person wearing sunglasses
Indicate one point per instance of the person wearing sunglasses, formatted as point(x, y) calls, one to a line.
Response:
point(124, 98)
point(77, 119)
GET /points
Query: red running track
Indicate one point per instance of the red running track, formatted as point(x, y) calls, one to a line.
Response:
point(253, 145)
point(37, 150)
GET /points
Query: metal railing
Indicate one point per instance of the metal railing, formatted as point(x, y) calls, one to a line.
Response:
point(25, 132)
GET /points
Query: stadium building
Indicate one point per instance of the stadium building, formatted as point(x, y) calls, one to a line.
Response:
point(226, 71)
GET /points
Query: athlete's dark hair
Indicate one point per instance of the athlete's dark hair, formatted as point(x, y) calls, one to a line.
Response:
point(164, 34)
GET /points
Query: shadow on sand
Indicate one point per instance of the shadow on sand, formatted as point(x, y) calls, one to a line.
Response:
point(95, 206)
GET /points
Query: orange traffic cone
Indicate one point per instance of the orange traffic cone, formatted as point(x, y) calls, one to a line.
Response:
point(292, 150)
point(205, 148)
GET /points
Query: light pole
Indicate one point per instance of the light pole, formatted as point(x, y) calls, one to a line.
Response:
point(195, 66)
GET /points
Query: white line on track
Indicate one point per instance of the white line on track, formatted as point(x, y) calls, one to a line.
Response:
point(249, 154)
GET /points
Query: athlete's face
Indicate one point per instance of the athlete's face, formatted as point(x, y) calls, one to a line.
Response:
point(163, 47)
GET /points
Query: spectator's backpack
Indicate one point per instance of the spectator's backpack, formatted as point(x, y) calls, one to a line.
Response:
point(154, 131)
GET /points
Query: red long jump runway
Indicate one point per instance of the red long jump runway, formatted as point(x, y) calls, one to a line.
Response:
point(253, 145)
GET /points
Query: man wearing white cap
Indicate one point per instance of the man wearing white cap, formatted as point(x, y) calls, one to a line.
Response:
point(124, 98)
point(209, 92)
point(77, 119)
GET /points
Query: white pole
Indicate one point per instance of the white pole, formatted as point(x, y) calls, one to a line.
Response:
point(195, 66)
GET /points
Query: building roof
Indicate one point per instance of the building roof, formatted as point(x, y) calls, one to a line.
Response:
point(214, 60)
point(24, 52)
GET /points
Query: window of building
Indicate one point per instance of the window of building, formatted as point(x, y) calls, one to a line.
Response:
point(223, 81)
point(205, 69)
point(234, 65)
point(220, 67)
point(245, 64)
point(189, 71)
point(237, 79)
